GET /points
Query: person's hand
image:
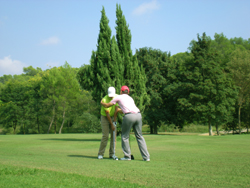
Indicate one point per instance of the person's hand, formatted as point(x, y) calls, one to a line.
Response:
point(113, 127)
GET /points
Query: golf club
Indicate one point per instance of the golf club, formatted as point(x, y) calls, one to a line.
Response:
point(114, 136)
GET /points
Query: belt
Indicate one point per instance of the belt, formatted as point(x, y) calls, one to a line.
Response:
point(132, 113)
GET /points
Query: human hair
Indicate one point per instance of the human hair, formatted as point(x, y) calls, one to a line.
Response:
point(125, 91)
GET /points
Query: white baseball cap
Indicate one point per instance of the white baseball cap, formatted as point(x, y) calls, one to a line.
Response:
point(111, 91)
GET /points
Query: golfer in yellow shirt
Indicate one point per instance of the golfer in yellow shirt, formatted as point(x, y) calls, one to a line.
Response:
point(108, 119)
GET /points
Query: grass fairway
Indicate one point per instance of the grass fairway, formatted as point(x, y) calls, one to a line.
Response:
point(70, 160)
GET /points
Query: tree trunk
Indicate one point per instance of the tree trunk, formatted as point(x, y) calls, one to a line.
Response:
point(23, 127)
point(210, 129)
point(37, 121)
point(217, 129)
point(55, 124)
point(155, 129)
point(14, 127)
point(239, 121)
point(60, 131)
point(53, 116)
point(151, 129)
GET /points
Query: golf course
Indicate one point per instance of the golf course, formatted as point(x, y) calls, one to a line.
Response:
point(177, 160)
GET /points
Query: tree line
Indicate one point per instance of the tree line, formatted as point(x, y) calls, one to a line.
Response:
point(209, 84)
point(49, 101)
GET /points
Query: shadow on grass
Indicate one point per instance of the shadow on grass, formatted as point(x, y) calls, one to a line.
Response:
point(172, 134)
point(74, 139)
point(86, 156)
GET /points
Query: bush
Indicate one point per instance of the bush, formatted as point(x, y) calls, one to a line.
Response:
point(86, 123)
point(167, 128)
point(7, 130)
point(145, 129)
point(192, 128)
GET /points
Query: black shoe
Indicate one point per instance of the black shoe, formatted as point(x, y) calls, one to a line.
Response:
point(132, 157)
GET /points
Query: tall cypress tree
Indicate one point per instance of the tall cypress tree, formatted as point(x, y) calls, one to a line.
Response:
point(113, 64)
point(134, 75)
point(117, 66)
point(106, 66)
point(96, 77)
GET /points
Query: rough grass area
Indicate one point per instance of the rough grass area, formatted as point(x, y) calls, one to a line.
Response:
point(70, 160)
point(11, 176)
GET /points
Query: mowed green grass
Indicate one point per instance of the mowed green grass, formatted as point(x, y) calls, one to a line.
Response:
point(70, 160)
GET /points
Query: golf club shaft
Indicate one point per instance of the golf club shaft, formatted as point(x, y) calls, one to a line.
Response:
point(114, 140)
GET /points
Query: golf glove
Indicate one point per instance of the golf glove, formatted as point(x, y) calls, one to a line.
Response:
point(114, 123)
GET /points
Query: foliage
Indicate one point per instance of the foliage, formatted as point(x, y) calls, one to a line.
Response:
point(30, 71)
point(155, 63)
point(209, 94)
point(168, 128)
point(96, 77)
point(134, 73)
point(193, 128)
point(87, 123)
point(52, 97)
point(239, 66)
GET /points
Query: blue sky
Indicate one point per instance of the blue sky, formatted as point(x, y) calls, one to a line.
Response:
point(46, 33)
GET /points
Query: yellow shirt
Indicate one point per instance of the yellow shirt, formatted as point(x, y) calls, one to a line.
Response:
point(111, 109)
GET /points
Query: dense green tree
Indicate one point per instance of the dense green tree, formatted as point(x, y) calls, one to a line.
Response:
point(239, 65)
point(51, 90)
point(155, 63)
point(240, 42)
point(14, 100)
point(5, 78)
point(71, 90)
point(36, 103)
point(173, 91)
point(223, 47)
point(208, 92)
point(30, 71)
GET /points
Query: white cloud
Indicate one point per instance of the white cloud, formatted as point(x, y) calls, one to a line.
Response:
point(146, 8)
point(50, 41)
point(9, 66)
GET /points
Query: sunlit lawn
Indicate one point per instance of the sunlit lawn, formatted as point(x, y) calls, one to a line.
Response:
point(70, 160)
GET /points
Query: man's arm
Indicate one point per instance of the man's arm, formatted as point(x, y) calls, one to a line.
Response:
point(115, 115)
point(106, 105)
point(116, 112)
point(110, 121)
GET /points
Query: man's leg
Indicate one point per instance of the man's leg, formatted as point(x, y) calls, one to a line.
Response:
point(112, 140)
point(127, 123)
point(140, 140)
point(105, 135)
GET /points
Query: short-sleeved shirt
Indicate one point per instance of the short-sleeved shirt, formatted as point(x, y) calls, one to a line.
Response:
point(126, 103)
point(111, 109)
